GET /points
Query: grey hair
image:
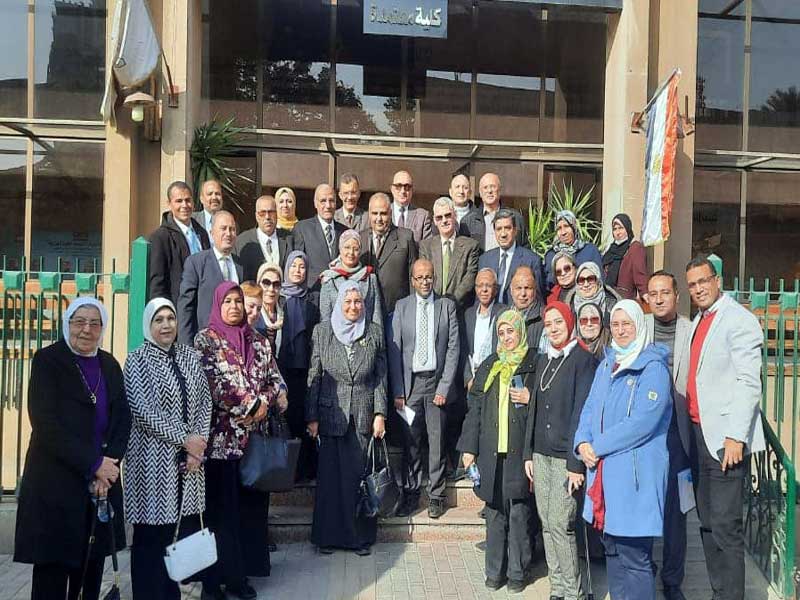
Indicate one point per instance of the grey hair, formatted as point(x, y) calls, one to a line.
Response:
point(444, 202)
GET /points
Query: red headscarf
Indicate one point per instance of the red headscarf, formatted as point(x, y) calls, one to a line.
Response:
point(239, 336)
point(569, 319)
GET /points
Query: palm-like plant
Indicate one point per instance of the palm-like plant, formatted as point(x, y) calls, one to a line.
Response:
point(540, 228)
point(541, 222)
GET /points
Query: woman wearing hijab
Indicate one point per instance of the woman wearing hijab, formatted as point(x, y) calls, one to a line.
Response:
point(164, 479)
point(300, 317)
point(270, 322)
point(565, 271)
point(568, 238)
point(345, 405)
point(590, 289)
point(592, 331)
point(245, 382)
point(625, 262)
point(80, 424)
point(493, 436)
point(622, 440)
point(562, 382)
point(348, 267)
point(287, 205)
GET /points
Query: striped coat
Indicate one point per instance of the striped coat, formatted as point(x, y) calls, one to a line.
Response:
point(151, 473)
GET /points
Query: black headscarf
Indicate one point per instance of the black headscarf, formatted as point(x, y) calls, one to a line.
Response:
point(612, 259)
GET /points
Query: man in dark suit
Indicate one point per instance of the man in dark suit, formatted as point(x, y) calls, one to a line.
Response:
point(525, 298)
point(211, 199)
point(319, 236)
point(454, 257)
point(350, 214)
point(404, 214)
point(264, 243)
point(509, 255)
point(389, 250)
point(178, 237)
point(202, 273)
point(478, 223)
point(423, 359)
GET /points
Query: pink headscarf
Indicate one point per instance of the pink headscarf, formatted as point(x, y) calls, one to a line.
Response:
point(239, 336)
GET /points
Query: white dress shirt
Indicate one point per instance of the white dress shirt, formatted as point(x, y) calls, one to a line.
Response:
point(430, 364)
point(231, 265)
point(262, 241)
point(396, 213)
point(482, 342)
point(490, 242)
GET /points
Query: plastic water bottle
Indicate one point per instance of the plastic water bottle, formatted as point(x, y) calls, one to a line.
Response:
point(474, 474)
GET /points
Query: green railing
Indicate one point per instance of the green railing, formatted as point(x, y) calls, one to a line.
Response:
point(770, 500)
point(32, 304)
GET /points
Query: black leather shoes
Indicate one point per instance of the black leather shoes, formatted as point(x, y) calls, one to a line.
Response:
point(364, 551)
point(213, 594)
point(325, 550)
point(495, 584)
point(516, 587)
point(436, 508)
point(408, 507)
point(244, 591)
point(673, 593)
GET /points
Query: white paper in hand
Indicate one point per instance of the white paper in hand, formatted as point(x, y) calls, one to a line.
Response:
point(686, 490)
point(407, 414)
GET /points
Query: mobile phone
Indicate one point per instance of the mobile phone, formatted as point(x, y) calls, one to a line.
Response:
point(516, 382)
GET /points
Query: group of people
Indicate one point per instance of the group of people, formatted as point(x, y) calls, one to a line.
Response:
point(442, 329)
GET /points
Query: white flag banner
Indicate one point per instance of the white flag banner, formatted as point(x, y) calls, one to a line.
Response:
point(135, 50)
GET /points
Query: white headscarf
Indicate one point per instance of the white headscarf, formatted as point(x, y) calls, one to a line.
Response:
point(626, 356)
point(155, 305)
point(68, 314)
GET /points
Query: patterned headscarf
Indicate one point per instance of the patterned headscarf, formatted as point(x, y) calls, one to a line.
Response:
point(508, 360)
point(338, 269)
point(569, 217)
point(599, 296)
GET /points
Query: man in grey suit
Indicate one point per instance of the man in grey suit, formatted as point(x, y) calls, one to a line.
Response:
point(211, 199)
point(264, 243)
point(404, 214)
point(454, 258)
point(319, 236)
point(666, 326)
point(350, 214)
point(723, 395)
point(202, 273)
point(423, 358)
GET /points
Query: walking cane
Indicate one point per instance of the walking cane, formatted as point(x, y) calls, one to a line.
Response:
point(590, 594)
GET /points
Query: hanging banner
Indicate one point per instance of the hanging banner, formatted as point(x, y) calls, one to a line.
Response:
point(409, 18)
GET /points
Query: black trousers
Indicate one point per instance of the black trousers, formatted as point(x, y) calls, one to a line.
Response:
point(719, 506)
point(456, 409)
point(674, 553)
point(56, 582)
point(430, 420)
point(149, 577)
point(295, 417)
point(508, 543)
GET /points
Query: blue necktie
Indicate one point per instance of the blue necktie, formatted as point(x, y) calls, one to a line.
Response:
point(194, 241)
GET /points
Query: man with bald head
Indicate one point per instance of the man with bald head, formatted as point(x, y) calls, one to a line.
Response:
point(423, 359)
point(319, 236)
point(525, 297)
point(211, 199)
point(460, 193)
point(479, 223)
point(404, 214)
point(264, 243)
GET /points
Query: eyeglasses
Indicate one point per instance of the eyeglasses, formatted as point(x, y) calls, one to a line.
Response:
point(80, 323)
point(589, 321)
point(406, 187)
point(422, 278)
point(265, 283)
point(484, 286)
point(591, 279)
point(440, 218)
point(264, 213)
point(623, 325)
point(701, 282)
point(565, 271)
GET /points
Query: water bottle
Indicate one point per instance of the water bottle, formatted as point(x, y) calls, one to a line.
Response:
point(474, 474)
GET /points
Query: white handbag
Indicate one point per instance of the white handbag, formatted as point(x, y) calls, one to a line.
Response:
point(192, 554)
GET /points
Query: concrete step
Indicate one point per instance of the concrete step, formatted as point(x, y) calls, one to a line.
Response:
point(293, 524)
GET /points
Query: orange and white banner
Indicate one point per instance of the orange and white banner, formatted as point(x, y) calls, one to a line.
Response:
point(661, 122)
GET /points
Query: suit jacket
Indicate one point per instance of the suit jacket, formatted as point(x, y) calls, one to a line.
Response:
point(729, 378)
point(463, 267)
point(474, 226)
point(418, 220)
point(393, 266)
point(168, 251)
point(199, 216)
point(404, 340)
point(521, 257)
point(339, 387)
point(201, 276)
point(308, 237)
point(252, 256)
point(680, 373)
point(360, 219)
point(467, 335)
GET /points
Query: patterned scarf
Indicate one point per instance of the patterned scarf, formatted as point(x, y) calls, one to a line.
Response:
point(508, 360)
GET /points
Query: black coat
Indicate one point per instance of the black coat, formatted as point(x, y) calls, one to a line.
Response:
point(479, 433)
point(252, 256)
point(168, 251)
point(54, 503)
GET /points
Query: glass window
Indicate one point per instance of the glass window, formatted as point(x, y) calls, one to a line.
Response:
point(773, 227)
point(70, 53)
point(519, 182)
point(12, 200)
point(67, 181)
point(720, 75)
point(13, 58)
point(300, 171)
point(775, 77)
point(715, 227)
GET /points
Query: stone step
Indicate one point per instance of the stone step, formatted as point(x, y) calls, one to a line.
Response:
point(293, 524)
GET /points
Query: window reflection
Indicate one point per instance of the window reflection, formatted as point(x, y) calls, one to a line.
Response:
point(67, 181)
point(69, 54)
point(12, 200)
point(13, 58)
point(716, 218)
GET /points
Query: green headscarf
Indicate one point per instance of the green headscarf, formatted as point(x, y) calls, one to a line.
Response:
point(508, 360)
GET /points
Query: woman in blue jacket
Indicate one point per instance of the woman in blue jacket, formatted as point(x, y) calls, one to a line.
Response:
point(622, 440)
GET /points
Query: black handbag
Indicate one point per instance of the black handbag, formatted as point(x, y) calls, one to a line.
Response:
point(269, 461)
point(378, 491)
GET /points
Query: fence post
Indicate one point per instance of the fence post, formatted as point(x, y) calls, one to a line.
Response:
point(140, 254)
point(717, 262)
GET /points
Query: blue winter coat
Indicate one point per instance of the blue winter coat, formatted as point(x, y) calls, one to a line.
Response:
point(635, 407)
point(589, 253)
